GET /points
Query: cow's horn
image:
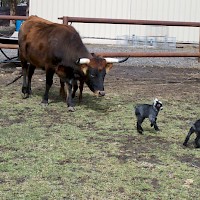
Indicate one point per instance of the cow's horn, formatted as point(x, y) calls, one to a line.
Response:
point(115, 60)
point(83, 61)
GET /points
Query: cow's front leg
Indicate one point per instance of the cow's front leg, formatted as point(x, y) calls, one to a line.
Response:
point(49, 82)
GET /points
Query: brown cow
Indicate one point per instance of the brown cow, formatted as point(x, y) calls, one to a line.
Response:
point(58, 48)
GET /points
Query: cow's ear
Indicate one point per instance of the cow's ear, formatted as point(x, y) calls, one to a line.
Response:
point(84, 69)
point(108, 67)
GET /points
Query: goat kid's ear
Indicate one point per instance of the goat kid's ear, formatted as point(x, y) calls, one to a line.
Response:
point(108, 67)
point(155, 100)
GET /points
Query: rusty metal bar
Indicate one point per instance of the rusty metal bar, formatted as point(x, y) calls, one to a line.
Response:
point(9, 46)
point(148, 54)
point(10, 17)
point(67, 19)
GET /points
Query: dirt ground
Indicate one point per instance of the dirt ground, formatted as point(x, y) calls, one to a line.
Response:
point(155, 81)
point(149, 81)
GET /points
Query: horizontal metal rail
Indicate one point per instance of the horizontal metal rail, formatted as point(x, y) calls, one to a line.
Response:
point(10, 17)
point(9, 46)
point(148, 54)
point(67, 20)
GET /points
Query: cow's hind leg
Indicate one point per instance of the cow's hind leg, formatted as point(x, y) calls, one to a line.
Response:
point(49, 82)
point(31, 70)
point(25, 78)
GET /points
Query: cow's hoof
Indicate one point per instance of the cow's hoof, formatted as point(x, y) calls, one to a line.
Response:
point(71, 109)
point(44, 103)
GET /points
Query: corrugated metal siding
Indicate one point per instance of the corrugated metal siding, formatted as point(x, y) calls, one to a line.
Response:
point(170, 10)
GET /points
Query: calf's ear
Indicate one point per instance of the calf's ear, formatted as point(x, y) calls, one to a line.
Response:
point(108, 67)
point(60, 71)
point(84, 69)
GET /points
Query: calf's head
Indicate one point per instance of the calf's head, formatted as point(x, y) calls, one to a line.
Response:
point(94, 71)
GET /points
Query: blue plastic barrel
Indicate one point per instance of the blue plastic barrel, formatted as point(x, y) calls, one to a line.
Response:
point(18, 24)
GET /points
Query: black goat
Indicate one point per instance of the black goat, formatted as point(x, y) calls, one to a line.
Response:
point(194, 129)
point(143, 111)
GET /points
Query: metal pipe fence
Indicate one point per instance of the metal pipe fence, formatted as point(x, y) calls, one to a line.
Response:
point(67, 20)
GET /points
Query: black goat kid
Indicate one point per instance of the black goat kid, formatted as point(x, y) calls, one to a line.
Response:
point(143, 111)
point(194, 129)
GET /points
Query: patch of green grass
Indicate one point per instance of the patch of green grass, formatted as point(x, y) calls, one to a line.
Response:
point(95, 152)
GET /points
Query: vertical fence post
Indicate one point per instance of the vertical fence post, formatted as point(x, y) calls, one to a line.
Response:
point(65, 20)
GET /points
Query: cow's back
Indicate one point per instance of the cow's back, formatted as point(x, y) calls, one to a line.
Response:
point(44, 43)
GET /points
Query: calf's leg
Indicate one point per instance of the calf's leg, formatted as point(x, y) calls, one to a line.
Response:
point(81, 90)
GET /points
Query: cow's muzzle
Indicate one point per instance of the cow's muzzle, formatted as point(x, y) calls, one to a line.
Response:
point(100, 93)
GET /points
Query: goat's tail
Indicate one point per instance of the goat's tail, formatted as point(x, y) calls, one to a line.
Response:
point(18, 77)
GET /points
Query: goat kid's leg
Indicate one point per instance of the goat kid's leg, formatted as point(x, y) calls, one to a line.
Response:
point(188, 136)
point(154, 124)
point(197, 140)
point(49, 82)
point(139, 124)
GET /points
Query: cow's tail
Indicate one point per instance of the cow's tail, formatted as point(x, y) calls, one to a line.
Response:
point(18, 77)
